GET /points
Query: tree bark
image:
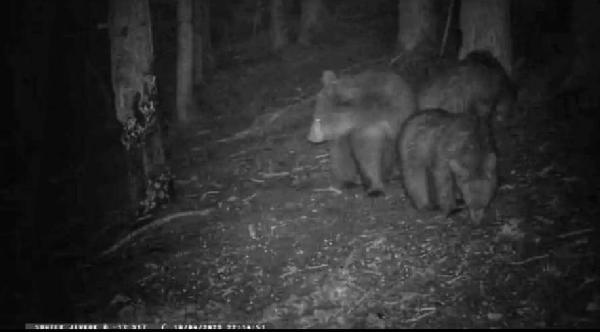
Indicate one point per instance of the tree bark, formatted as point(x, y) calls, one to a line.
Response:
point(200, 34)
point(278, 25)
point(132, 52)
point(418, 26)
point(207, 47)
point(485, 24)
point(185, 57)
point(310, 21)
point(132, 56)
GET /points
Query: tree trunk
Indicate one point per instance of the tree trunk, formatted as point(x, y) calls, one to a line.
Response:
point(278, 25)
point(418, 26)
point(485, 24)
point(585, 26)
point(207, 47)
point(131, 52)
point(310, 21)
point(134, 88)
point(185, 59)
point(207, 51)
point(200, 34)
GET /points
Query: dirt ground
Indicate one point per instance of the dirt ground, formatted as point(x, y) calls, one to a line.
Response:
point(273, 241)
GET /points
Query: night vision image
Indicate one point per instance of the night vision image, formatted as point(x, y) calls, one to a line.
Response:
point(379, 164)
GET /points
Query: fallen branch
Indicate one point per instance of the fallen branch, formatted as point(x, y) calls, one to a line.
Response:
point(274, 174)
point(453, 280)
point(418, 318)
point(329, 189)
point(530, 259)
point(247, 199)
point(236, 136)
point(237, 154)
point(210, 192)
point(316, 267)
point(577, 232)
point(154, 224)
point(202, 132)
point(394, 59)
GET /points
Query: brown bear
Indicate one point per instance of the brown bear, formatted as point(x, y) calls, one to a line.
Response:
point(443, 154)
point(361, 117)
point(478, 83)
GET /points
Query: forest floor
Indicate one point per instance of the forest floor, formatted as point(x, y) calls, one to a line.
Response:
point(272, 241)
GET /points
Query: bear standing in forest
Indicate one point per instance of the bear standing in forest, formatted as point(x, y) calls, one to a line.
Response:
point(477, 83)
point(443, 154)
point(361, 116)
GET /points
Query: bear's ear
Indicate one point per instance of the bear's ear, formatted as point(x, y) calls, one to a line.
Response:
point(458, 169)
point(328, 78)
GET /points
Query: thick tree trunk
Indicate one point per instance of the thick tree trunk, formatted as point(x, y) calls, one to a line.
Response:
point(278, 25)
point(135, 87)
point(418, 26)
point(311, 19)
point(131, 52)
point(485, 24)
point(185, 59)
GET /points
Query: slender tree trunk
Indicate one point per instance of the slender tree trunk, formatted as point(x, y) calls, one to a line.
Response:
point(311, 19)
point(485, 24)
point(199, 36)
point(209, 61)
point(134, 87)
point(207, 31)
point(258, 15)
point(585, 25)
point(278, 25)
point(418, 26)
point(185, 59)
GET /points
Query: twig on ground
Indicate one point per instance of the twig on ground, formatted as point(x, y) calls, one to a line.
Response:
point(245, 200)
point(419, 317)
point(530, 259)
point(577, 232)
point(154, 224)
point(236, 136)
point(329, 189)
point(274, 174)
point(211, 192)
